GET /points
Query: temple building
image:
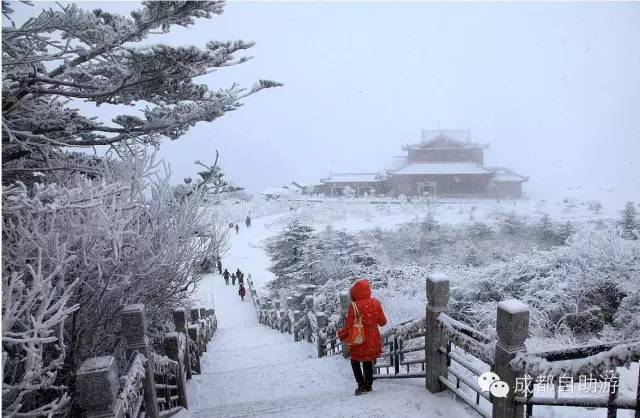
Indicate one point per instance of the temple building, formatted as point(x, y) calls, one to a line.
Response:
point(443, 163)
point(357, 184)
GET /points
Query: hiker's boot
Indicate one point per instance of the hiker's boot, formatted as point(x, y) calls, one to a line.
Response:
point(361, 389)
point(368, 386)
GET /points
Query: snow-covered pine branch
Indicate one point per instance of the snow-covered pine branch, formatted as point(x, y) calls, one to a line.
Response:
point(71, 53)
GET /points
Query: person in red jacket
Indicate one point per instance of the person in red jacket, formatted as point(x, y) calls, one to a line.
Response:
point(363, 355)
point(242, 292)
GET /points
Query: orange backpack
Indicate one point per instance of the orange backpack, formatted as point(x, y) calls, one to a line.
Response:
point(356, 332)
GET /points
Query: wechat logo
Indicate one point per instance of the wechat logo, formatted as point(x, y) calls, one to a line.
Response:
point(490, 382)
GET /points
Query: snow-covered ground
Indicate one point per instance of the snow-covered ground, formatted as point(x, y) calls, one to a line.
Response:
point(252, 370)
point(368, 213)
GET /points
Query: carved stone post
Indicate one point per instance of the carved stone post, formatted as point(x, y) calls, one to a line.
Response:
point(308, 302)
point(437, 301)
point(174, 343)
point(296, 318)
point(289, 302)
point(345, 300)
point(206, 323)
point(180, 321)
point(97, 387)
point(512, 327)
point(195, 315)
point(194, 336)
point(276, 315)
point(202, 332)
point(321, 321)
point(134, 327)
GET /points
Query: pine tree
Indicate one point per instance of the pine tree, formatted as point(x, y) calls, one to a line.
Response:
point(511, 224)
point(472, 255)
point(566, 231)
point(430, 242)
point(211, 181)
point(71, 54)
point(545, 227)
point(288, 250)
point(429, 223)
point(629, 223)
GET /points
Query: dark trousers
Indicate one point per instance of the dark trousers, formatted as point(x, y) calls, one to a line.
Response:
point(357, 371)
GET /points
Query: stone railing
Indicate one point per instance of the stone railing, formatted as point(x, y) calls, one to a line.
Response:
point(304, 323)
point(455, 354)
point(153, 383)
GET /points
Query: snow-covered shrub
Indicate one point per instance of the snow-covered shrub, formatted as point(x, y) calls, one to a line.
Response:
point(34, 309)
point(584, 286)
point(119, 237)
point(595, 206)
point(479, 230)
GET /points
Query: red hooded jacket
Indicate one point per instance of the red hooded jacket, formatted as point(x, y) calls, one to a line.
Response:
point(372, 317)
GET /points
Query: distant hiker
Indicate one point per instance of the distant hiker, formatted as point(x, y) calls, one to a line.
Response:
point(240, 276)
point(242, 292)
point(248, 221)
point(219, 265)
point(364, 346)
point(237, 229)
point(226, 276)
point(233, 279)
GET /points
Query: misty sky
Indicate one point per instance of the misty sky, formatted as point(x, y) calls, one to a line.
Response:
point(554, 88)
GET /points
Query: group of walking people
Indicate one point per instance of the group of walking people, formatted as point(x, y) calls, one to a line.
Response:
point(239, 276)
point(247, 222)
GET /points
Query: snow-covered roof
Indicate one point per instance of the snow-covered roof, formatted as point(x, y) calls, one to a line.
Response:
point(442, 168)
point(451, 138)
point(462, 135)
point(506, 175)
point(353, 178)
point(399, 162)
point(276, 191)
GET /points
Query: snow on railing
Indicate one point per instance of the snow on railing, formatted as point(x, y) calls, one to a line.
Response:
point(408, 329)
point(455, 354)
point(595, 360)
point(162, 392)
point(467, 338)
point(306, 325)
point(130, 393)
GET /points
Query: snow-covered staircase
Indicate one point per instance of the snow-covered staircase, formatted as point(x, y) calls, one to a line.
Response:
point(254, 371)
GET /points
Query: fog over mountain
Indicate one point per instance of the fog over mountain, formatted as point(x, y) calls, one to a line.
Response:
point(554, 89)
